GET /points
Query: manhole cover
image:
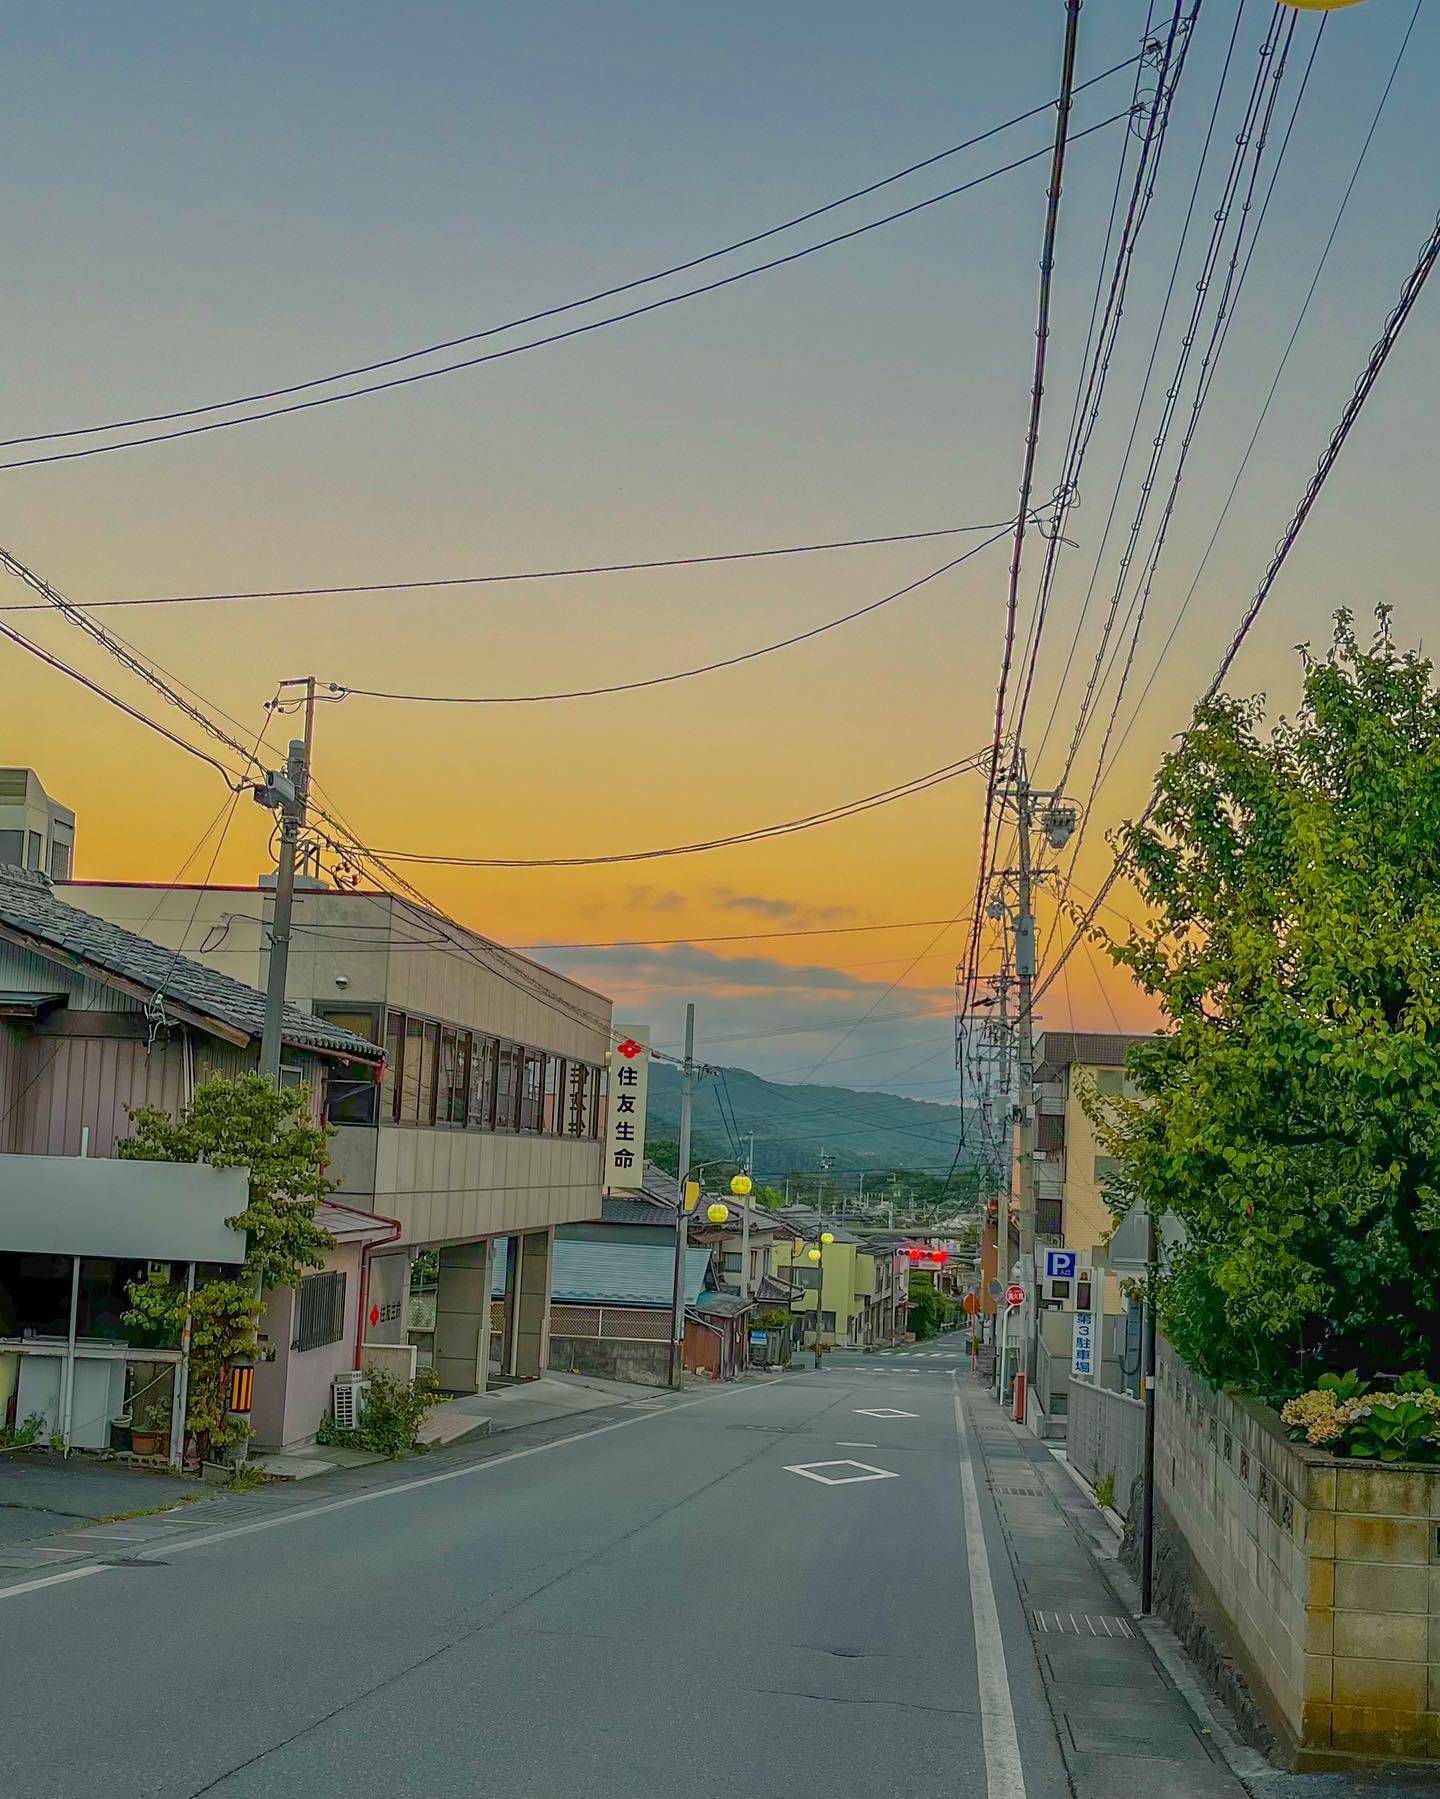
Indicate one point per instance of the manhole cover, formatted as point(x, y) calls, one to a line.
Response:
point(1081, 1624)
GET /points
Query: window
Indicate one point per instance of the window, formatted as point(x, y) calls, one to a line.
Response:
point(577, 1121)
point(483, 1058)
point(410, 1073)
point(394, 1055)
point(32, 850)
point(827, 1321)
point(552, 1119)
point(597, 1102)
point(450, 1102)
point(59, 860)
point(12, 848)
point(730, 1262)
point(1109, 1080)
point(320, 1311)
point(532, 1089)
point(1107, 1170)
point(507, 1087)
point(429, 1071)
point(807, 1279)
point(352, 1091)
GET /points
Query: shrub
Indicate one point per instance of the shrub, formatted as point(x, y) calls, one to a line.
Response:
point(390, 1424)
point(1403, 1426)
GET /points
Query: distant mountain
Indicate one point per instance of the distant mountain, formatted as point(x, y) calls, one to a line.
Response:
point(793, 1124)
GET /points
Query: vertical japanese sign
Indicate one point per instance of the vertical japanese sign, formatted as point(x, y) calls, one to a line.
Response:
point(625, 1110)
point(1082, 1360)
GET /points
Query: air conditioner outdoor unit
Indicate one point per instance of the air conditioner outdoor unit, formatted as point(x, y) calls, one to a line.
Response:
point(348, 1399)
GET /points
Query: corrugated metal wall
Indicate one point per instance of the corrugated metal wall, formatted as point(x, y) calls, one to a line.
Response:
point(68, 1082)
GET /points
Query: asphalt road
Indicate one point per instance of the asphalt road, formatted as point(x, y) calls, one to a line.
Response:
point(660, 1605)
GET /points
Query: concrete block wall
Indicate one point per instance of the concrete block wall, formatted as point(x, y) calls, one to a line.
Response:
point(1326, 1573)
point(1106, 1435)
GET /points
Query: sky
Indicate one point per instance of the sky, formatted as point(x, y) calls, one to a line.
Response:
point(204, 202)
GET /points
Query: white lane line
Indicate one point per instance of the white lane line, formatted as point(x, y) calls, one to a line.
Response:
point(54, 1580)
point(1004, 1776)
point(840, 1445)
point(175, 1547)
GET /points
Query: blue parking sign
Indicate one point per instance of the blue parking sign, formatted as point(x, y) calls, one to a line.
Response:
point(1060, 1264)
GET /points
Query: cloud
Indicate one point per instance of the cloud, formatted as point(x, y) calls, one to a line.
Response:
point(773, 906)
point(654, 899)
point(779, 1019)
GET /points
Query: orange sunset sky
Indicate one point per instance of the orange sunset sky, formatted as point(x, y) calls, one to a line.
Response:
point(212, 203)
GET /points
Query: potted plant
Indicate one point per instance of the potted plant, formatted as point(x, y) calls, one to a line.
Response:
point(151, 1429)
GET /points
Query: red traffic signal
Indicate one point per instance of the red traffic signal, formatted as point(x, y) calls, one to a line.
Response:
point(940, 1255)
point(915, 1254)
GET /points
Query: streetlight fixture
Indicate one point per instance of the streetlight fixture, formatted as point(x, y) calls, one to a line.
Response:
point(718, 1212)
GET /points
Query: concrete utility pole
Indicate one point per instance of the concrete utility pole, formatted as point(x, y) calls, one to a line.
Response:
point(292, 820)
point(745, 1203)
point(1025, 1068)
point(1147, 1491)
point(687, 1100)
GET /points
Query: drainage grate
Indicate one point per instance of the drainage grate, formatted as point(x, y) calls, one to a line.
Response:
point(1020, 1492)
point(1068, 1624)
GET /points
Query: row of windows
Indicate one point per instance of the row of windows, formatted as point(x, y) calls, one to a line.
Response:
point(440, 1074)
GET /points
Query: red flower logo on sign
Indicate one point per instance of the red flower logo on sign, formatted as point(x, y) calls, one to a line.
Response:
point(630, 1049)
point(374, 1315)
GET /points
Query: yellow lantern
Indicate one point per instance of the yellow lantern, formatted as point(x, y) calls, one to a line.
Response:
point(812, 1255)
point(692, 1195)
point(827, 1236)
point(718, 1213)
point(740, 1185)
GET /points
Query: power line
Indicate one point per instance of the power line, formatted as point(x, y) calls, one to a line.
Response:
point(1256, 128)
point(539, 574)
point(1089, 394)
point(849, 809)
point(1027, 473)
point(1270, 395)
point(554, 337)
point(344, 692)
point(1394, 325)
point(606, 293)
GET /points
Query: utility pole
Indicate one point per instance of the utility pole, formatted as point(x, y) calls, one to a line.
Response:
point(1025, 1069)
point(682, 1220)
point(294, 797)
point(745, 1203)
point(1147, 1491)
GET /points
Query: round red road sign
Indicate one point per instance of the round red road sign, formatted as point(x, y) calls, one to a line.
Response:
point(1014, 1296)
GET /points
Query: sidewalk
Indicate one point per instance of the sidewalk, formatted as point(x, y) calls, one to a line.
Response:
point(1122, 1723)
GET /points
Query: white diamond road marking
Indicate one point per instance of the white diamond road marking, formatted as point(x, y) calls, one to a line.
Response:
point(863, 1471)
point(883, 1411)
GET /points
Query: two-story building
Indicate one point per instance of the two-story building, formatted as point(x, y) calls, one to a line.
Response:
point(486, 1131)
point(840, 1287)
point(96, 1021)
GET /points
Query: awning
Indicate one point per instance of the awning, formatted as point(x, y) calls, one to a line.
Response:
point(348, 1224)
point(29, 1005)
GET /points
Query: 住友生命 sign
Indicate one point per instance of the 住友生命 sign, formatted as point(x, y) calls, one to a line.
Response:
point(625, 1110)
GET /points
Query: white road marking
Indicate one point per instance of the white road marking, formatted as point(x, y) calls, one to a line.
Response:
point(812, 1471)
point(178, 1546)
point(54, 1580)
point(884, 1411)
point(1004, 1776)
point(840, 1445)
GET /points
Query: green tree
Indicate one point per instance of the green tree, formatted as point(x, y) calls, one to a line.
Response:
point(242, 1123)
point(1290, 1118)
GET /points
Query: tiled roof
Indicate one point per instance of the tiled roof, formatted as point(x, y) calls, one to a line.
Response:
point(722, 1305)
point(29, 909)
point(638, 1208)
point(622, 1274)
point(1055, 1050)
